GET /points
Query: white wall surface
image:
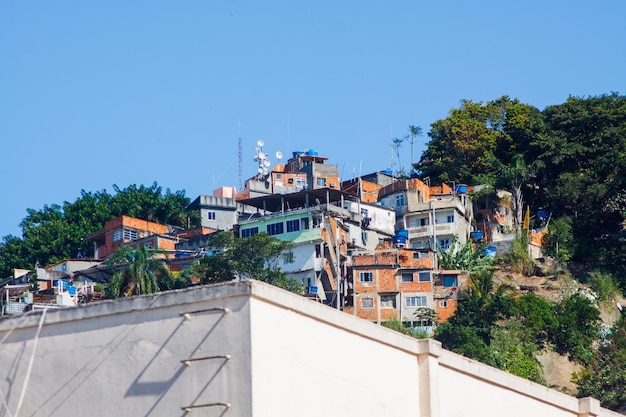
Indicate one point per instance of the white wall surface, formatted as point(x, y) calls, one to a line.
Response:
point(289, 357)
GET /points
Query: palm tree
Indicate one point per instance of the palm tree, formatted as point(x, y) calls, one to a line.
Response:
point(140, 272)
point(414, 131)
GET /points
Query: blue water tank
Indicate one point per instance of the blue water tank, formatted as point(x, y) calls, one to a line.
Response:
point(398, 240)
point(403, 232)
point(476, 235)
point(490, 252)
point(311, 152)
point(387, 172)
point(543, 214)
point(461, 188)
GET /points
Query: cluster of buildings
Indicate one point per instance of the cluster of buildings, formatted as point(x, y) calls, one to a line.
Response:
point(367, 245)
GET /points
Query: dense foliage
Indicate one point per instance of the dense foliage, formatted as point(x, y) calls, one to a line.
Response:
point(56, 232)
point(254, 257)
point(569, 159)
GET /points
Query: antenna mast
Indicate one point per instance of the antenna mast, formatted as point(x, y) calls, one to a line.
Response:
point(240, 144)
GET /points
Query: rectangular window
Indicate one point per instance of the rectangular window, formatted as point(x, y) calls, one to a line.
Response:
point(210, 215)
point(304, 223)
point(367, 303)
point(424, 276)
point(130, 234)
point(450, 218)
point(300, 182)
point(449, 281)
point(416, 301)
point(366, 276)
point(275, 228)
point(148, 246)
point(387, 301)
point(400, 200)
point(444, 244)
point(321, 182)
point(117, 235)
point(293, 225)
point(279, 177)
point(288, 257)
point(249, 231)
point(443, 304)
point(407, 277)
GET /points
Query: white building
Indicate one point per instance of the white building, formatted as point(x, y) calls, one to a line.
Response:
point(244, 349)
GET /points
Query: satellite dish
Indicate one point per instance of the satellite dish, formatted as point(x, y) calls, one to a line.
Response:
point(260, 142)
point(262, 155)
point(279, 154)
point(260, 170)
point(266, 163)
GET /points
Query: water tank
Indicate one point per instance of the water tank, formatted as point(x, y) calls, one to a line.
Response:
point(476, 235)
point(311, 152)
point(490, 252)
point(388, 172)
point(398, 240)
point(543, 214)
point(403, 232)
point(461, 188)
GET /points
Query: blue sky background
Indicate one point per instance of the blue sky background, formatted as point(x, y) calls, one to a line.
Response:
point(96, 93)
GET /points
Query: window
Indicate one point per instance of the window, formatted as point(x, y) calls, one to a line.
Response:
point(443, 304)
point(366, 276)
point(130, 234)
point(304, 223)
point(450, 218)
point(400, 200)
point(293, 225)
point(275, 228)
point(148, 246)
point(444, 243)
point(424, 276)
point(388, 301)
point(407, 277)
point(279, 177)
point(300, 182)
point(249, 231)
point(117, 235)
point(416, 301)
point(321, 182)
point(449, 281)
point(367, 303)
point(288, 257)
point(210, 215)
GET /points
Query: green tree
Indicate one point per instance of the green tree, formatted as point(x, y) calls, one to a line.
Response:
point(255, 257)
point(577, 327)
point(465, 257)
point(140, 272)
point(559, 241)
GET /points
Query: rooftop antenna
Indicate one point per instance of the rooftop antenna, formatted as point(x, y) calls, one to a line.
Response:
point(263, 161)
point(240, 144)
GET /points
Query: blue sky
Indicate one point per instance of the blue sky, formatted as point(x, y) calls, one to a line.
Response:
point(96, 93)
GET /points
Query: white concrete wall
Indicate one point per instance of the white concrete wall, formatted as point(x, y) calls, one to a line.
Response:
point(289, 356)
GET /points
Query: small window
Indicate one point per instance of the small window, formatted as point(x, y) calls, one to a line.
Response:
point(400, 200)
point(416, 255)
point(443, 304)
point(279, 177)
point(367, 303)
point(450, 218)
point(416, 301)
point(288, 257)
point(275, 228)
point(304, 223)
point(249, 231)
point(130, 234)
point(148, 246)
point(117, 235)
point(449, 281)
point(321, 182)
point(407, 277)
point(424, 276)
point(388, 301)
point(210, 215)
point(293, 225)
point(366, 277)
point(444, 243)
point(300, 182)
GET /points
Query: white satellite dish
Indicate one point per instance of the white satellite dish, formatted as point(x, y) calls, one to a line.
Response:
point(260, 142)
point(262, 155)
point(279, 154)
point(260, 170)
point(266, 163)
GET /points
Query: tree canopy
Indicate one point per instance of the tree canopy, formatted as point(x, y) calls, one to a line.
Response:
point(56, 232)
